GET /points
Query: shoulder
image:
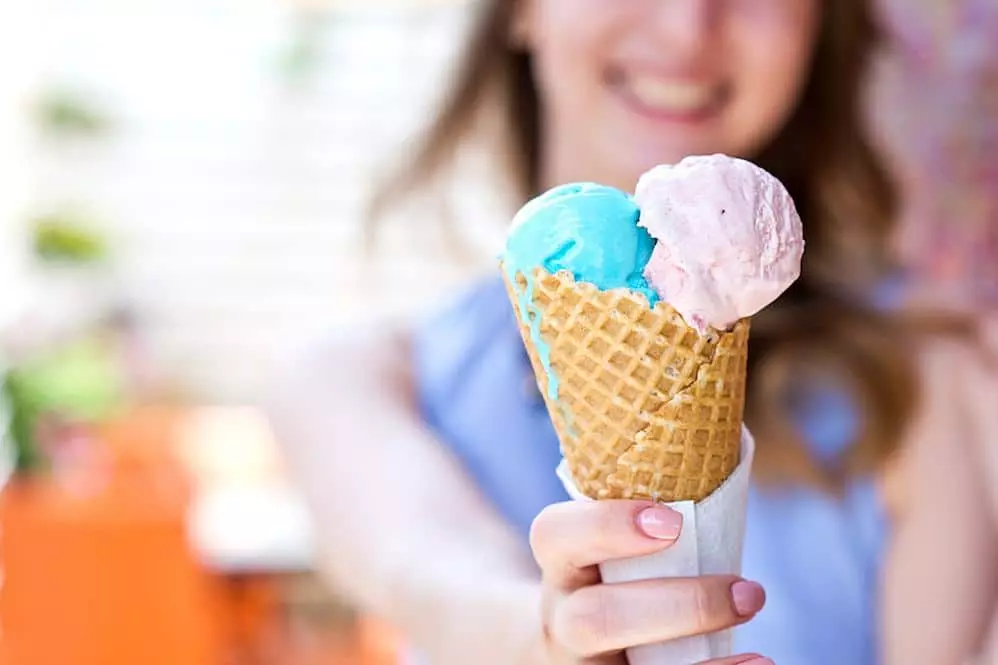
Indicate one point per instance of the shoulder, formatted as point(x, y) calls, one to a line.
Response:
point(949, 440)
point(959, 377)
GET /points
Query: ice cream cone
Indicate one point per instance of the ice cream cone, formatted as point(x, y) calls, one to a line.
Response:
point(644, 405)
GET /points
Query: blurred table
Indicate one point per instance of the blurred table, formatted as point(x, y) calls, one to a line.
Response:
point(251, 530)
point(184, 552)
point(245, 516)
point(102, 579)
point(249, 525)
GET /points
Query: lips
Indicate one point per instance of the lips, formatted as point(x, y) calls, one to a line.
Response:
point(671, 96)
point(667, 97)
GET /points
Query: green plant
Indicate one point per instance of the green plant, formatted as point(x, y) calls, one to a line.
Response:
point(76, 382)
point(67, 237)
point(22, 415)
point(302, 56)
point(63, 112)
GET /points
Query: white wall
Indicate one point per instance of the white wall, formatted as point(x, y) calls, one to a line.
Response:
point(235, 200)
point(18, 73)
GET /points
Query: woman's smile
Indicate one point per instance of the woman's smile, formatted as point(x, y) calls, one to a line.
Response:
point(667, 98)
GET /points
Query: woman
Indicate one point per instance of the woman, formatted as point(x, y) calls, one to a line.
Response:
point(428, 456)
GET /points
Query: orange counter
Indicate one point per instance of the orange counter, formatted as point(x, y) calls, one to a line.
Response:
point(102, 580)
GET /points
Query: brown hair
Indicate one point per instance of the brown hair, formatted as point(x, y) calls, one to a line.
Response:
point(845, 199)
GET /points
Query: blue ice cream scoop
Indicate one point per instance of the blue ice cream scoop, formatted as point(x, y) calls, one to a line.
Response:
point(587, 229)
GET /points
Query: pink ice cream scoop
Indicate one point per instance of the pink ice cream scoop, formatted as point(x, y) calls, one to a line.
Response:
point(730, 240)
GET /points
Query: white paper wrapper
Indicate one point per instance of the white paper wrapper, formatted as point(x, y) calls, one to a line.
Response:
point(709, 544)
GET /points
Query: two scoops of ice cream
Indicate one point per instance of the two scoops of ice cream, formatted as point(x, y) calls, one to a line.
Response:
point(635, 311)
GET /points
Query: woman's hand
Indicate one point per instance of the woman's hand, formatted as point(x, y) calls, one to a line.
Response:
point(586, 621)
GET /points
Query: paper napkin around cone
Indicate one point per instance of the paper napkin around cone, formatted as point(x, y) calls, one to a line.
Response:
point(710, 543)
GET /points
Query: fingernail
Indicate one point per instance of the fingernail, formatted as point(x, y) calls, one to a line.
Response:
point(660, 522)
point(753, 659)
point(748, 598)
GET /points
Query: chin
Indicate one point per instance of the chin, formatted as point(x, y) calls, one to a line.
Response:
point(647, 156)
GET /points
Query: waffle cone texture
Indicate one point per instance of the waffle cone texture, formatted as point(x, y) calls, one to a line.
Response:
point(644, 406)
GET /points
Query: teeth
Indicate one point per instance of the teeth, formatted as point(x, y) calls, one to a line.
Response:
point(671, 95)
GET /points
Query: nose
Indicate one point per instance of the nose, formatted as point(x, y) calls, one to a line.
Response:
point(686, 25)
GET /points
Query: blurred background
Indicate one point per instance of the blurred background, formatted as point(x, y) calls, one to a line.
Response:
point(182, 200)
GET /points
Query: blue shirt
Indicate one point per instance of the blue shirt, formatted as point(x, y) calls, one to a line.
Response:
point(817, 555)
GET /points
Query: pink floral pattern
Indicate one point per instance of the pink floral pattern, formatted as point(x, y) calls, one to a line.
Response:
point(936, 107)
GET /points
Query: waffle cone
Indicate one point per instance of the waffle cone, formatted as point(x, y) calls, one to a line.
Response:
point(646, 407)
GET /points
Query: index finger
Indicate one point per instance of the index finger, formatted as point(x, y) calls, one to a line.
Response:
point(569, 537)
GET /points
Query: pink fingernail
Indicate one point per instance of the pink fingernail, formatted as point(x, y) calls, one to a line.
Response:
point(660, 522)
point(748, 598)
point(757, 661)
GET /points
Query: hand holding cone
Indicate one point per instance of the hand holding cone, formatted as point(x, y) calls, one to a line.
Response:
point(635, 313)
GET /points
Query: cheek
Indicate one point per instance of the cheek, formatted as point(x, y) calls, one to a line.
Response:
point(771, 78)
point(569, 41)
point(771, 67)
